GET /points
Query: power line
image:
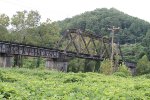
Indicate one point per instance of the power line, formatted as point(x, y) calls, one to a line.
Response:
point(15, 3)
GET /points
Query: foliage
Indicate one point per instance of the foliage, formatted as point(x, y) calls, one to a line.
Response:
point(47, 34)
point(76, 65)
point(132, 52)
point(89, 65)
point(146, 43)
point(4, 23)
point(121, 74)
point(123, 71)
point(26, 28)
point(143, 66)
point(4, 20)
point(106, 67)
point(3, 33)
point(31, 62)
point(50, 85)
point(131, 29)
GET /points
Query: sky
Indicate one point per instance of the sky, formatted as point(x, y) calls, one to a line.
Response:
point(61, 9)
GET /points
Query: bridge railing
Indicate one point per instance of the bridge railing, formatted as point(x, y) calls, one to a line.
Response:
point(11, 49)
point(26, 50)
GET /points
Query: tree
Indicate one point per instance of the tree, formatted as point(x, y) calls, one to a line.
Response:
point(33, 19)
point(4, 20)
point(24, 28)
point(146, 44)
point(4, 23)
point(24, 24)
point(143, 66)
point(18, 21)
point(47, 34)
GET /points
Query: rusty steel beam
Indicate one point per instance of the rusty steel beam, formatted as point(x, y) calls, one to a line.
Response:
point(88, 34)
point(12, 49)
point(70, 37)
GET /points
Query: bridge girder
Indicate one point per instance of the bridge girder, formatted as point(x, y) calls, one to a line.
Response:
point(87, 43)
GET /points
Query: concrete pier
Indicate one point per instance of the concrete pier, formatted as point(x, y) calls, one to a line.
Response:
point(5, 61)
point(57, 64)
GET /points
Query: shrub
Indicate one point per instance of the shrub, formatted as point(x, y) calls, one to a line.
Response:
point(76, 65)
point(106, 67)
point(124, 69)
point(147, 76)
point(143, 66)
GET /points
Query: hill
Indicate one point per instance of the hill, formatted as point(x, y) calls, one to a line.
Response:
point(18, 84)
point(131, 28)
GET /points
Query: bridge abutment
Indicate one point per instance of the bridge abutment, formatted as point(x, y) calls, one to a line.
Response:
point(57, 64)
point(5, 61)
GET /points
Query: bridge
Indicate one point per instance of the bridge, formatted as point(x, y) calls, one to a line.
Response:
point(74, 43)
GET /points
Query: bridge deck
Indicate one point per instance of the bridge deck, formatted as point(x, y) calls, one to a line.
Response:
point(11, 48)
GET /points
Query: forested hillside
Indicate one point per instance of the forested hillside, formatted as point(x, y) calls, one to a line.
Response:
point(131, 29)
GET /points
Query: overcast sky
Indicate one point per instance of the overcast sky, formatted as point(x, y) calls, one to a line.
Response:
point(61, 9)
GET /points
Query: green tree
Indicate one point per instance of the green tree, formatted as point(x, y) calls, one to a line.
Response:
point(143, 66)
point(18, 21)
point(33, 19)
point(47, 34)
point(3, 33)
point(4, 20)
point(24, 24)
point(4, 23)
point(146, 44)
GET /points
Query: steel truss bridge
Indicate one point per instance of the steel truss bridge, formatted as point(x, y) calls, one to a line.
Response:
point(74, 43)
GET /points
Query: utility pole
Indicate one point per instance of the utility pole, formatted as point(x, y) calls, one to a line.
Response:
point(113, 29)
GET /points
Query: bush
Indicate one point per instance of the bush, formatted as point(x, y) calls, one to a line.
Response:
point(124, 69)
point(76, 65)
point(147, 76)
point(143, 66)
point(106, 67)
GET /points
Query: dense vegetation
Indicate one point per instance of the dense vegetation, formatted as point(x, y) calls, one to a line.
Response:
point(25, 27)
point(131, 29)
point(25, 84)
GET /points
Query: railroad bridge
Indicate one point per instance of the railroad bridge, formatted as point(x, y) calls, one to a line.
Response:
point(74, 43)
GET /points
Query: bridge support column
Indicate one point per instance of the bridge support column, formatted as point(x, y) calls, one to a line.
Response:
point(5, 61)
point(57, 64)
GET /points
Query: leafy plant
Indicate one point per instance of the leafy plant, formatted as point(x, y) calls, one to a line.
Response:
point(106, 67)
point(143, 66)
point(35, 84)
point(124, 70)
